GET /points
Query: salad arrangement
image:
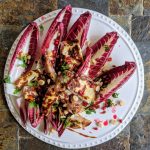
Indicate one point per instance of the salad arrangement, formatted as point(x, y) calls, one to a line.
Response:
point(62, 82)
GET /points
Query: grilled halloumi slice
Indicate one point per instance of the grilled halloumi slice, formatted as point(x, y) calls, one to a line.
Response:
point(84, 88)
point(78, 122)
point(71, 54)
point(26, 78)
point(29, 93)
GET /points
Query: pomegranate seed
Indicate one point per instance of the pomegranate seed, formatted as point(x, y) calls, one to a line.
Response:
point(120, 120)
point(95, 128)
point(115, 116)
point(84, 103)
point(104, 108)
point(56, 42)
point(103, 112)
point(105, 123)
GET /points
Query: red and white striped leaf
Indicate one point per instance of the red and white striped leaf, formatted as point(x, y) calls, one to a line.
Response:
point(27, 45)
point(115, 78)
point(101, 50)
point(80, 29)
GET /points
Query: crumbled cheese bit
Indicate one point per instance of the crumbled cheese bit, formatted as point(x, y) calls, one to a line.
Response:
point(97, 88)
point(29, 57)
point(65, 112)
point(121, 103)
point(75, 98)
point(64, 105)
point(41, 82)
point(113, 121)
point(48, 81)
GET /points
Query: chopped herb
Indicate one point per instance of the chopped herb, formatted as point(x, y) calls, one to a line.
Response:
point(41, 28)
point(33, 83)
point(103, 86)
point(7, 79)
point(90, 111)
point(16, 91)
point(62, 118)
point(32, 104)
point(24, 60)
point(23, 65)
point(70, 43)
point(109, 103)
point(64, 73)
point(55, 105)
point(106, 47)
point(67, 123)
point(91, 103)
point(115, 95)
point(64, 68)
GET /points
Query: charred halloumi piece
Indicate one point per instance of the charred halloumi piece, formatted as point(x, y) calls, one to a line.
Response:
point(71, 55)
point(78, 122)
point(50, 97)
point(75, 104)
point(26, 78)
point(29, 93)
point(87, 90)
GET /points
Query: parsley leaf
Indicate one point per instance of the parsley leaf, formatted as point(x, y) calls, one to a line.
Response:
point(41, 28)
point(90, 111)
point(115, 95)
point(32, 104)
point(33, 83)
point(64, 68)
point(63, 118)
point(7, 79)
point(67, 123)
point(16, 91)
point(106, 47)
point(24, 60)
point(55, 105)
point(109, 103)
point(23, 65)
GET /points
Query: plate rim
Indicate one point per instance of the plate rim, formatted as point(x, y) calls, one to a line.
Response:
point(131, 112)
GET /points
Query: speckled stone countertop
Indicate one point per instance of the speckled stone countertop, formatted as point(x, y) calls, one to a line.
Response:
point(132, 15)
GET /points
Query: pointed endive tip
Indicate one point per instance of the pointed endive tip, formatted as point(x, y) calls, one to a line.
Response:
point(68, 7)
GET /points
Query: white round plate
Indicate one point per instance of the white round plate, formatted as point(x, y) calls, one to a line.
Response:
point(131, 92)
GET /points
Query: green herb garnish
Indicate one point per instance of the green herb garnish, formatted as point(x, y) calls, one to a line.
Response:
point(62, 118)
point(115, 95)
point(24, 60)
point(16, 91)
point(55, 105)
point(109, 103)
point(23, 65)
point(106, 47)
point(33, 83)
point(7, 79)
point(41, 28)
point(64, 68)
point(90, 111)
point(32, 104)
point(103, 86)
point(67, 123)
